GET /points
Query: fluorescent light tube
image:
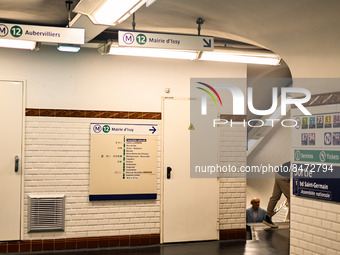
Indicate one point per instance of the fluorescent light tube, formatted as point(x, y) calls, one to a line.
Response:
point(238, 56)
point(150, 2)
point(69, 48)
point(18, 44)
point(108, 12)
point(151, 52)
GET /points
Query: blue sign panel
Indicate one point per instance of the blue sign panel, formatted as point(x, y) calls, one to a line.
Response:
point(325, 189)
point(313, 184)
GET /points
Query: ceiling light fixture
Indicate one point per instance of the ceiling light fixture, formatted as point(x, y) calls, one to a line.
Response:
point(239, 56)
point(108, 12)
point(18, 44)
point(153, 52)
point(150, 2)
point(220, 54)
point(68, 48)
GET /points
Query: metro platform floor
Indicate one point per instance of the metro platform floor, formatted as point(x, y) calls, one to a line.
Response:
point(265, 241)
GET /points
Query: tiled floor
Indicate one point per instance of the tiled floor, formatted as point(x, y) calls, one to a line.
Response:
point(266, 241)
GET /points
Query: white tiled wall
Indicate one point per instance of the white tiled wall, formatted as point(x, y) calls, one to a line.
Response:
point(57, 152)
point(57, 161)
point(315, 227)
point(233, 190)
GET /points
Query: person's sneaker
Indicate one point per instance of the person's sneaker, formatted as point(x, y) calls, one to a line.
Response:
point(268, 221)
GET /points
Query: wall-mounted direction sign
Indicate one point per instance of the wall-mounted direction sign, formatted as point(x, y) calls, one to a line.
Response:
point(123, 161)
point(165, 41)
point(42, 33)
point(124, 129)
point(325, 189)
point(316, 154)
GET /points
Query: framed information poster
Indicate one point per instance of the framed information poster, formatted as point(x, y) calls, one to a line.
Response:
point(123, 161)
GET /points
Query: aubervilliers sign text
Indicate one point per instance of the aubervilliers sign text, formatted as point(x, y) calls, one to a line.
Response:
point(42, 33)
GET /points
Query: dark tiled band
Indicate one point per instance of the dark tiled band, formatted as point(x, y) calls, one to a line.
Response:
point(98, 242)
point(233, 234)
point(233, 117)
point(92, 114)
point(78, 243)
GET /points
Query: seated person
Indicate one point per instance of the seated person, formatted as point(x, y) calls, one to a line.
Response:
point(255, 213)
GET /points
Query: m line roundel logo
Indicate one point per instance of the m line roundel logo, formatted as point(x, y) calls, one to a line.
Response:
point(97, 128)
point(16, 31)
point(3, 30)
point(129, 38)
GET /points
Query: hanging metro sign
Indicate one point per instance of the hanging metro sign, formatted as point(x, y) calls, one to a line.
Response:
point(42, 33)
point(165, 41)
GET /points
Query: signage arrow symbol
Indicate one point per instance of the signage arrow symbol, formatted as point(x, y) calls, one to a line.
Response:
point(152, 129)
point(207, 43)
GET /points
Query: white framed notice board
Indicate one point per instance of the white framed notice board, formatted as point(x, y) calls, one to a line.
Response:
point(123, 161)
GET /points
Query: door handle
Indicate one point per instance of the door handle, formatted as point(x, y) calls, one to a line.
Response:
point(16, 165)
point(168, 172)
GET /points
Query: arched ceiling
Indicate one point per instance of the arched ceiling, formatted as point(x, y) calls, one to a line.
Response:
point(306, 33)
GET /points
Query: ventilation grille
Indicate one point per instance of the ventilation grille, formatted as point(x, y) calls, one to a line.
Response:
point(46, 213)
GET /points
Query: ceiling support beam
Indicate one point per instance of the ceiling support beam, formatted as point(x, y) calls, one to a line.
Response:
point(92, 30)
